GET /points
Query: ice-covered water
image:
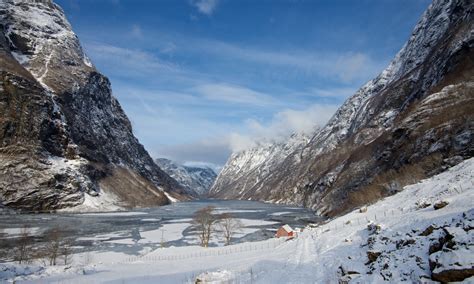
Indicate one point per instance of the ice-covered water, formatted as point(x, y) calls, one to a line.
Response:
point(134, 230)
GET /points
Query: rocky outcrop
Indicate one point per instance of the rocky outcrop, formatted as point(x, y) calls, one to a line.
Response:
point(62, 133)
point(452, 259)
point(406, 124)
point(196, 180)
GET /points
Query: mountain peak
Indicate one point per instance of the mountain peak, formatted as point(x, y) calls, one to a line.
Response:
point(388, 134)
point(62, 128)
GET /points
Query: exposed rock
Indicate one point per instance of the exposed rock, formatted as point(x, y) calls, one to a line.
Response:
point(452, 265)
point(423, 204)
point(440, 204)
point(62, 133)
point(427, 231)
point(406, 124)
point(346, 275)
point(453, 274)
point(373, 228)
point(438, 242)
point(403, 243)
point(372, 256)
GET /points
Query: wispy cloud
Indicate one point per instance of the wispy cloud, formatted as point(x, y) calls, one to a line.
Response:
point(206, 7)
point(128, 59)
point(233, 94)
point(346, 66)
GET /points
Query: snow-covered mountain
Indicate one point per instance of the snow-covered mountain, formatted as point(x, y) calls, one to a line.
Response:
point(196, 180)
point(423, 234)
point(63, 135)
point(244, 170)
point(411, 121)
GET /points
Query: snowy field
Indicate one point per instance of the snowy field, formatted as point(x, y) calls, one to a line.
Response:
point(395, 240)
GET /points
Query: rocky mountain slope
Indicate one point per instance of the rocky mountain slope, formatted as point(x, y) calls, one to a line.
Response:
point(62, 133)
point(196, 180)
point(245, 169)
point(423, 234)
point(411, 121)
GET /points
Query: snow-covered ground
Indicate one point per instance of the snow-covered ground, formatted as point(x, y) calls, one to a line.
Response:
point(402, 238)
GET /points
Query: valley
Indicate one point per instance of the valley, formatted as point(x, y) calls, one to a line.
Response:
point(274, 151)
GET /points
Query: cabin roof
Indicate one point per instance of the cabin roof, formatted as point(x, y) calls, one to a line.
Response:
point(287, 228)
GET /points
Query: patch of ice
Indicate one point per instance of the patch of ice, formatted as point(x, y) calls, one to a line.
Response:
point(167, 233)
point(115, 214)
point(16, 232)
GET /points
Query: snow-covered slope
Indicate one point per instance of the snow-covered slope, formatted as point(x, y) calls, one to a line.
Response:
point(196, 180)
point(246, 169)
point(63, 134)
point(405, 238)
point(371, 147)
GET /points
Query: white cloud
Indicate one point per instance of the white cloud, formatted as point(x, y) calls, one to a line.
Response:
point(213, 152)
point(233, 94)
point(215, 149)
point(282, 125)
point(206, 7)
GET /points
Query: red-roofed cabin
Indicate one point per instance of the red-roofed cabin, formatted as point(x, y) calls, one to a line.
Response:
point(285, 231)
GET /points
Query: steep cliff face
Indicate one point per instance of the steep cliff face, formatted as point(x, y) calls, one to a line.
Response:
point(411, 121)
point(196, 180)
point(62, 133)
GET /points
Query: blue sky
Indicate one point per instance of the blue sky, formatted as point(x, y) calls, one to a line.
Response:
point(202, 78)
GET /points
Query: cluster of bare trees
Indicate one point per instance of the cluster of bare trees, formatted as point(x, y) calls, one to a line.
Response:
point(22, 252)
point(57, 249)
point(206, 222)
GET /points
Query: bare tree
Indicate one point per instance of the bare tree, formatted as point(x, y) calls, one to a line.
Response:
point(22, 251)
point(66, 251)
point(229, 226)
point(53, 247)
point(204, 220)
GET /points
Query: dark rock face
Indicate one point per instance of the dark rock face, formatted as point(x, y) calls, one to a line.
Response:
point(62, 133)
point(404, 125)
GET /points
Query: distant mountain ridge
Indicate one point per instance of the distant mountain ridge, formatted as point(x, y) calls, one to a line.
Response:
point(196, 180)
point(245, 169)
point(413, 120)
